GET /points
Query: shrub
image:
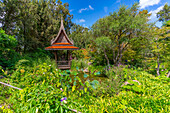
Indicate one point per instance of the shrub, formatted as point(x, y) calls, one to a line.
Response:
point(8, 56)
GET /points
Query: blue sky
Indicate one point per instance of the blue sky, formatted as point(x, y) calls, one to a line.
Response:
point(87, 12)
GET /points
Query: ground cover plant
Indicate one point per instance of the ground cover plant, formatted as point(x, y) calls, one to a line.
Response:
point(50, 90)
point(122, 66)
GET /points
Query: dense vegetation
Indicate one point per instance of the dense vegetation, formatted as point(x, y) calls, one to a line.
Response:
point(123, 64)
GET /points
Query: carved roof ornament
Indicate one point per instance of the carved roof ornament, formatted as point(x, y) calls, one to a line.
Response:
point(61, 42)
point(62, 36)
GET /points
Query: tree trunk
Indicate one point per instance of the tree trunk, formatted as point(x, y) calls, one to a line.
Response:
point(157, 70)
point(120, 54)
point(114, 60)
point(24, 39)
point(108, 63)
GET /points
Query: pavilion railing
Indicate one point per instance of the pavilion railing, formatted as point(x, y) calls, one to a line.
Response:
point(63, 63)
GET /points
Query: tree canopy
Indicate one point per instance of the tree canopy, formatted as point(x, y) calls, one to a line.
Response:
point(164, 14)
point(34, 22)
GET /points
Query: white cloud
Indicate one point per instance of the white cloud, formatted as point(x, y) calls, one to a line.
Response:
point(71, 10)
point(83, 9)
point(146, 3)
point(81, 20)
point(105, 9)
point(153, 12)
point(91, 7)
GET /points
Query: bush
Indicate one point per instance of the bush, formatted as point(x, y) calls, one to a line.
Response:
point(8, 56)
point(112, 85)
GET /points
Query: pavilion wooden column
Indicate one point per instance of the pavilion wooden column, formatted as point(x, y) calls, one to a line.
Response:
point(55, 54)
point(69, 62)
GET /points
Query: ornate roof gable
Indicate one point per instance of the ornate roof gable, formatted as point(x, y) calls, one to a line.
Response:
point(62, 36)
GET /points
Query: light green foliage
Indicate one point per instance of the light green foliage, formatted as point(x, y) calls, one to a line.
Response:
point(166, 23)
point(43, 87)
point(161, 47)
point(103, 44)
point(150, 96)
point(41, 91)
point(81, 63)
point(40, 98)
point(7, 42)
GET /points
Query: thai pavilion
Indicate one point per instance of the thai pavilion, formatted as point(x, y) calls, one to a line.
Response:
point(61, 46)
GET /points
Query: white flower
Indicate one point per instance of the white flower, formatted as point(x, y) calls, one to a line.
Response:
point(56, 69)
point(49, 65)
point(61, 89)
point(65, 102)
point(43, 72)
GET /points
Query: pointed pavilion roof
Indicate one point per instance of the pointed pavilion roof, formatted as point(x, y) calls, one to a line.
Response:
point(61, 42)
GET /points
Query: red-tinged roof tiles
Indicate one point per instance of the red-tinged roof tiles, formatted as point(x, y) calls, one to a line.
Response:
point(62, 44)
point(61, 48)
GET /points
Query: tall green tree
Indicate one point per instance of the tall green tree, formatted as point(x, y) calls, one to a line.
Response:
point(80, 35)
point(123, 27)
point(34, 22)
point(161, 47)
point(8, 15)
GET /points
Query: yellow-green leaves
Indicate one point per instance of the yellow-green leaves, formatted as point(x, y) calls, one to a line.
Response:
point(73, 88)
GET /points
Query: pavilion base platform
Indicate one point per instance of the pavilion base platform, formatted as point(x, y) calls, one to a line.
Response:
point(63, 67)
point(64, 64)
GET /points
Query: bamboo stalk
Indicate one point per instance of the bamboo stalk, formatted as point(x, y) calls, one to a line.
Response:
point(74, 110)
point(10, 86)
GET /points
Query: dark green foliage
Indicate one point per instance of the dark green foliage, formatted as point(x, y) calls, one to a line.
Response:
point(8, 56)
point(34, 22)
point(125, 28)
point(164, 14)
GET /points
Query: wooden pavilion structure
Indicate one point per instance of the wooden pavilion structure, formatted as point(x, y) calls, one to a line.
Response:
point(61, 46)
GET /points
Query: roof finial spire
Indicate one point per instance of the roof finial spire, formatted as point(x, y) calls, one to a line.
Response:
point(62, 21)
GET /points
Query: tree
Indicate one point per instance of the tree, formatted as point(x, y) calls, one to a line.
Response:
point(27, 17)
point(124, 27)
point(34, 22)
point(8, 15)
point(161, 47)
point(164, 14)
point(80, 35)
point(103, 43)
